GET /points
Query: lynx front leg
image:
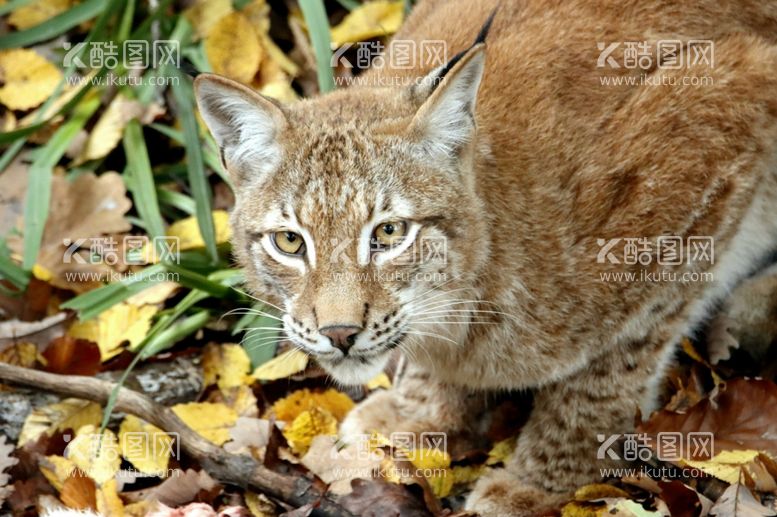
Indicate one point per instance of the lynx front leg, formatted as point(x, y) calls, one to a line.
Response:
point(557, 449)
point(416, 403)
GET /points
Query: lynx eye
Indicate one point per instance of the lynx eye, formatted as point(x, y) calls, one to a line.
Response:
point(390, 233)
point(289, 243)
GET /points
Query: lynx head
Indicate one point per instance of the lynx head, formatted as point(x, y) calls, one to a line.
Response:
point(357, 212)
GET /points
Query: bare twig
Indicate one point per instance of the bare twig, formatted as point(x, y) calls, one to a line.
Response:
point(229, 468)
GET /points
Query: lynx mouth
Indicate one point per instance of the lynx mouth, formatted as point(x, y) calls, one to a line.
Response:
point(362, 366)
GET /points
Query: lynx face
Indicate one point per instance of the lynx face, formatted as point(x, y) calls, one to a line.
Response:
point(356, 213)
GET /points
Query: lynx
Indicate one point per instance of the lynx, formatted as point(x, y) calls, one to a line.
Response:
point(536, 157)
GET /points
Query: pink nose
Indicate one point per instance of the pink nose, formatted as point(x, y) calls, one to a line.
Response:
point(342, 336)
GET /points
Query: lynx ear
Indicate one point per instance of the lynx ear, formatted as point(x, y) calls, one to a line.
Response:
point(445, 122)
point(246, 125)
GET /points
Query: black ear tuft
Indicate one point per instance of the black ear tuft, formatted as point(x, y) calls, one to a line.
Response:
point(481, 38)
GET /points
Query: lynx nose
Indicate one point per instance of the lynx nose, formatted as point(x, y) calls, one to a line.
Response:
point(342, 336)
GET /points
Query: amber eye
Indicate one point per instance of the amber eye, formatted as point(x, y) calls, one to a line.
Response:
point(390, 233)
point(289, 243)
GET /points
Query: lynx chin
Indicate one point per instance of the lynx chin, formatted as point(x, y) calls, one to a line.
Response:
point(517, 157)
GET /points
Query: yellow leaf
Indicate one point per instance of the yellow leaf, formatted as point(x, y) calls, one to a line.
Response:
point(308, 425)
point(188, 231)
point(370, 20)
point(433, 465)
point(728, 465)
point(28, 79)
point(226, 365)
point(20, 354)
point(56, 469)
point(285, 365)
point(242, 400)
point(205, 13)
point(232, 47)
point(259, 505)
point(157, 293)
point(96, 454)
point(108, 500)
point(577, 509)
point(210, 420)
point(37, 12)
point(67, 414)
point(381, 381)
point(465, 474)
point(41, 273)
point(501, 451)
point(141, 508)
point(109, 129)
point(124, 322)
point(332, 401)
point(146, 446)
point(279, 90)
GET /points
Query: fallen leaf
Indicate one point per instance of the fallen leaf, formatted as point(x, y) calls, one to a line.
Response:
point(336, 403)
point(109, 129)
point(187, 231)
point(179, 488)
point(37, 12)
point(78, 491)
point(249, 436)
point(67, 414)
point(285, 365)
point(67, 355)
point(730, 466)
point(81, 212)
point(146, 446)
point(108, 500)
point(369, 20)
point(336, 466)
point(20, 354)
point(260, 505)
point(378, 498)
point(682, 500)
point(738, 501)
point(56, 469)
point(233, 49)
point(226, 365)
point(740, 414)
point(157, 293)
point(28, 78)
point(381, 381)
point(211, 421)
point(204, 14)
point(501, 451)
point(112, 328)
point(97, 455)
point(309, 424)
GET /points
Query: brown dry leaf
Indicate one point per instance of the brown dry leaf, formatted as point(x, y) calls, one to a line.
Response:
point(370, 20)
point(28, 79)
point(89, 207)
point(56, 469)
point(111, 329)
point(337, 467)
point(78, 491)
point(377, 497)
point(179, 488)
point(67, 414)
point(741, 415)
point(758, 469)
point(226, 365)
point(211, 421)
point(205, 13)
point(239, 398)
point(233, 49)
point(336, 403)
point(109, 129)
point(37, 12)
point(681, 499)
point(71, 356)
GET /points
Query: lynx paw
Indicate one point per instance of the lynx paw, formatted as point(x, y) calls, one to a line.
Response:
point(385, 413)
point(500, 494)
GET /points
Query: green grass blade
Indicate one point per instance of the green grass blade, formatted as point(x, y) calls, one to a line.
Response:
point(36, 200)
point(318, 27)
point(175, 333)
point(198, 180)
point(141, 182)
point(349, 4)
point(54, 26)
point(175, 199)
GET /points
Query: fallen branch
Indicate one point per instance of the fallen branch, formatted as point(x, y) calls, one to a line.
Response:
point(229, 468)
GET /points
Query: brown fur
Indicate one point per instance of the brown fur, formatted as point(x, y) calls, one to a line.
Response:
point(557, 161)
